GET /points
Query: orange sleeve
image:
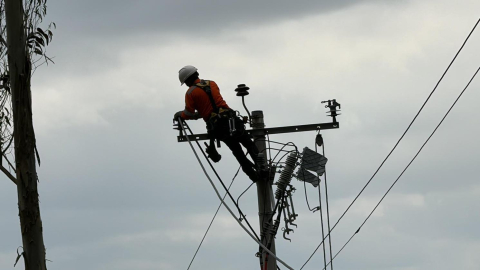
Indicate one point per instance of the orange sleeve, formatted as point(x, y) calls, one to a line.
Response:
point(189, 110)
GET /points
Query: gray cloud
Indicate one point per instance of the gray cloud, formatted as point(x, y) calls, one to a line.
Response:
point(118, 192)
point(91, 33)
point(95, 17)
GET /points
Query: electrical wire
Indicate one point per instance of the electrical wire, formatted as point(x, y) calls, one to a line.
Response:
point(306, 196)
point(261, 139)
point(408, 128)
point(321, 224)
point(399, 140)
point(242, 216)
point(305, 191)
point(277, 149)
point(223, 202)
point(269, 147)
point(328, 212)
point(320, 209)
point(411, 161)
point(238, 199)
point(292, 144)
point(220, 179)
point(275, 206)
point(326, 202)
point(211, 222)
point(281, 149)
point(279, 161)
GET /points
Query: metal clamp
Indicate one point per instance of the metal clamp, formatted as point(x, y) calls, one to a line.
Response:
point(285, 232)
point(231, 125)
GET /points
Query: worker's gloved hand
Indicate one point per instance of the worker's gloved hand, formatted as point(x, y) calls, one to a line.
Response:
point(177, 115)
point(196, 116)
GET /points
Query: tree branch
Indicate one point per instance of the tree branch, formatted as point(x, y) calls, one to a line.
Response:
point(7, 173)
point(9, 163)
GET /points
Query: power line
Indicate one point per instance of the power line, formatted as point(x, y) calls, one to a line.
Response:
point(238, 199)
point(319, 207)
point(221, 182)
point(328, 212)
point(242, 216)
point(411, 161)
point(223, 202)
point(399, 140)
point(211, 222)
point(306, 196)
point(321, 223)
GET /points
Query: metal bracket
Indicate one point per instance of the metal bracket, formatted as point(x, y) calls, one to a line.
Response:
point(273, 130)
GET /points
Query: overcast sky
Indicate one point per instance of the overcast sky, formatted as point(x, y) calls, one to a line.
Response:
point(118, 192)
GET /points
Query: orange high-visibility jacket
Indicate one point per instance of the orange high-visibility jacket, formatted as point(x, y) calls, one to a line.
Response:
point(197, 99)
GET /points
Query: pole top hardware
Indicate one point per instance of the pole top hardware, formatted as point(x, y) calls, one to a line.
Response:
point(242, 90)
point(177, 126)
point(332, 105)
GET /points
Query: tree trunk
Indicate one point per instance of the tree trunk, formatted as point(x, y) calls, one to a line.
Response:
point(20, 72)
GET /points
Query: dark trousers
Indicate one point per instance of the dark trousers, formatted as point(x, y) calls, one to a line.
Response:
point(234, 143)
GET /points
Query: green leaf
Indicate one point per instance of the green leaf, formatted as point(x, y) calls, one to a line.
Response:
point(31, 38)
point(50, 36)
point(40, 41)
point(38, 51)
point(43, 33)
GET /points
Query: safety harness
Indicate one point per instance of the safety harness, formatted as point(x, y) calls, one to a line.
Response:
point(221, 124)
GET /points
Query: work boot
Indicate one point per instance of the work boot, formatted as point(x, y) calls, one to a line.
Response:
point(252, 174)
point(254, 177)
point(212, 153)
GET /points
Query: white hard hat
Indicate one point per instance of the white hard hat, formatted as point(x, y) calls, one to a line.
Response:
point(186, 72)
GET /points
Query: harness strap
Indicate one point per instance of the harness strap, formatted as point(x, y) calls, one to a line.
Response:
point(205, 86)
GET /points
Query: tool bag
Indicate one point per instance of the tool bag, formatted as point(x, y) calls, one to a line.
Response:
point(226, 124)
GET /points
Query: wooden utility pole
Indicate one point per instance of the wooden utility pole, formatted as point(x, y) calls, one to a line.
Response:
point(264, 194)
point(24, 138)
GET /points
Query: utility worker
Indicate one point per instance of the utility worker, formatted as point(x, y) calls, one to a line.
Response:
point(203, 100)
